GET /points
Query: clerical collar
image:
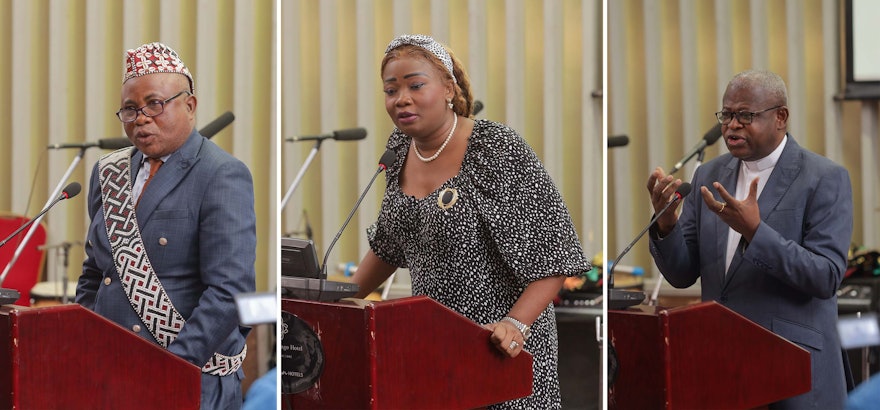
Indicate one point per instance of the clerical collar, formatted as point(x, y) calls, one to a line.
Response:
point(767, 162)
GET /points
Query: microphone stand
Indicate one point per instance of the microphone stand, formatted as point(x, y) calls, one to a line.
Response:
point(307, 231)
point(350, 215)
point(64, 249)
point(699, 162)
point(302, 172)
point(620, 299)
point(36, 221)
point(652, 301)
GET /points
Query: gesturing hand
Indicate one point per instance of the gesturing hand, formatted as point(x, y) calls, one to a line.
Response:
point(662, 187)
point(743, 216)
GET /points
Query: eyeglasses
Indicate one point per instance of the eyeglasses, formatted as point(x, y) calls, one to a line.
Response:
point(743, 117)
point(152, 109)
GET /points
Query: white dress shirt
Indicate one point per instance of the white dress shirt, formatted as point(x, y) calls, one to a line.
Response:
point(748, 171)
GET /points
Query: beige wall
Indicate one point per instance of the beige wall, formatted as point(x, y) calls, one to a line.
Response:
point(534, 64)
point(668, 64)
point(60, 78)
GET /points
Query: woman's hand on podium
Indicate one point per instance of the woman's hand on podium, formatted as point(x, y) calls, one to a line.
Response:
point(506, 338)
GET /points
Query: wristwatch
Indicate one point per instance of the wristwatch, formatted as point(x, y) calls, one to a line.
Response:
point(525, 329)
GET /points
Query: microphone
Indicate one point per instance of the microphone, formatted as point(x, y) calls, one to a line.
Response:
point(339, 135)
point(121, 142)
point(114, 143)
point(104, 143)
point(708, 139)
point(617, 141)
point(387, 159)
point(619, 299)
point(478, 106)
point(350, 134)
point(218, 124)
point(70, 191)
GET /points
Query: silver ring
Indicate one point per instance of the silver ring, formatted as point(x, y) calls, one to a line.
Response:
point(723, 204)
point(513, 345)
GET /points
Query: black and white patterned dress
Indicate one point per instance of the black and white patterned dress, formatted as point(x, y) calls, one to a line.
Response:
point(508, 228)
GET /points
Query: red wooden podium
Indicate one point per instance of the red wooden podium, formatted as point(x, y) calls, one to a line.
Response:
point(699, 357)
point(68, 357)
point(410, 353)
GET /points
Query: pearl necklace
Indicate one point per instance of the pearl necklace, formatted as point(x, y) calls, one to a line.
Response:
point(437, 154)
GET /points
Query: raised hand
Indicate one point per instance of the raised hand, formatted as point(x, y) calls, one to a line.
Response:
point(743, 216)
point(662, 187)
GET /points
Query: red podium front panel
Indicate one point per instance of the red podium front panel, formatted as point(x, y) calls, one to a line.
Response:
point(400, 354)
point(699, 357)
point(68, 357)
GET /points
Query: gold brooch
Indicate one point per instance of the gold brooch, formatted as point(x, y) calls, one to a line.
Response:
point(447, 198)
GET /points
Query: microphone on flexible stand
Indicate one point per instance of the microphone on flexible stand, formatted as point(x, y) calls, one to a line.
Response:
point(620, 299)
point(116, 143)
point(103, 143)
point(350, 134)
point(320, 288)
point(11, 295)
point(217, 125)
point(387, 159)
point(700, 151)
point(70, 191)
point(708, 139)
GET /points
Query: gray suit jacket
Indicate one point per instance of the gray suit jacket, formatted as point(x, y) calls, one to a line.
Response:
point(198, 224)
point(785, 279)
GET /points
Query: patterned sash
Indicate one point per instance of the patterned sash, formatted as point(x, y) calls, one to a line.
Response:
point(139, 280)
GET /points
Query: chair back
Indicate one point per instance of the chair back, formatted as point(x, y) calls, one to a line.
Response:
point(27, 269)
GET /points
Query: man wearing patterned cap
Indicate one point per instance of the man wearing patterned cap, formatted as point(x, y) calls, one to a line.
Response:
point(195, 245)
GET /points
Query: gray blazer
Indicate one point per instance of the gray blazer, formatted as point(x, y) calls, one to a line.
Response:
point(198, 224)
point(785, 279)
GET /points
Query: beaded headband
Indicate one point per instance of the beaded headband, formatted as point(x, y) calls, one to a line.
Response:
point(427, 43)
point(154, 58)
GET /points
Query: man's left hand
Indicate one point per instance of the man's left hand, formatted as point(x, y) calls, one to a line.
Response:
point(743, 216)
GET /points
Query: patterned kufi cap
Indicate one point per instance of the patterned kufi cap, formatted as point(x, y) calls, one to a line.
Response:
point(154, 58)
point(427, 43)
